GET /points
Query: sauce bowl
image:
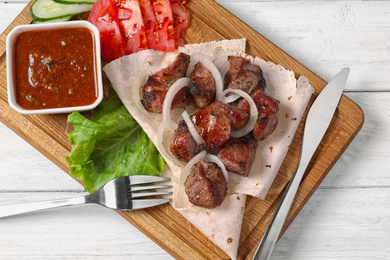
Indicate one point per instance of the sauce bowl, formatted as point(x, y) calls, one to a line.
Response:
point(54, 67)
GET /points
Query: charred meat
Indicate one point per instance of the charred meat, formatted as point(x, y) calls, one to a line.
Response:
point(212, 125)
point(216, 122)
point(238, 154)
point(244, 75)
point(157, 85)
point(264, 127)
point(203, 88)
point(267, 119)
point(206, 186)
point(183, 145)
point(177, 69)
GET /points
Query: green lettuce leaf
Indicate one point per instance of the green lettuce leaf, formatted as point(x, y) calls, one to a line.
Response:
point(109, 146)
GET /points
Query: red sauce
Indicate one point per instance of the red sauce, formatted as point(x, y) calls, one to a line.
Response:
point(55, 68)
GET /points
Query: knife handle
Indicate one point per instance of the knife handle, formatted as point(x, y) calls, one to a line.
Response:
point(271, 235)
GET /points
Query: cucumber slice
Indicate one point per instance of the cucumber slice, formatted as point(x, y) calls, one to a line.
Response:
point(64, 19)
point(72, 2)
point(49, 10)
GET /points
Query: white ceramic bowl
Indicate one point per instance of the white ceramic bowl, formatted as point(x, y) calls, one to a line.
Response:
point(11, 87)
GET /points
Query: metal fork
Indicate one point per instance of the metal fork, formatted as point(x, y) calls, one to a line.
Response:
point(124, 193)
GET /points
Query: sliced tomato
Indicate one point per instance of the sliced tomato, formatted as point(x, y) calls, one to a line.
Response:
point(130, 18)
point(128, 26)
point(103, 15)
point(164, 39)
point(158, 21)
point(181, 21)
point(150, 21)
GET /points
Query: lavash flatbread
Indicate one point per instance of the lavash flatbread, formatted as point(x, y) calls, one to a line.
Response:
point(221, 225)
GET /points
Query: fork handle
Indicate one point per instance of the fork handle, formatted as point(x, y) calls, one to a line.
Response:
point(15, 209)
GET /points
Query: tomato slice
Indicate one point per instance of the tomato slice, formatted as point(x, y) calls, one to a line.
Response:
point(181, 21)
point(150, 21)
point(129, 26)
point(103, 15)
point(163, 32)
point(131, 21)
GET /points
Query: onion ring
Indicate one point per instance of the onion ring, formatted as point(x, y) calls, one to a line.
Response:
point(166, 153)
point(200, 57)
point(187, 169)
point(191, 127)
point(214, 159)
point(253, 113)
point(166, 109)
point(224, 69)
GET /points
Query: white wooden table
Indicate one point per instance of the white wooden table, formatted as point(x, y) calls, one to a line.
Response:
point(347, 218)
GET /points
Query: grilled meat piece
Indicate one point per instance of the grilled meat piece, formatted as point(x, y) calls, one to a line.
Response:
point(177, 69)
point(264, 127)
point(238, 118)
point(244, 75)
point(203, 87)
point(267, 119)
point(183, 145)
point(216, 122)
point(237, 154)
point(206, 186)
point(212, 126)
point(154, 93)
point(157, 85)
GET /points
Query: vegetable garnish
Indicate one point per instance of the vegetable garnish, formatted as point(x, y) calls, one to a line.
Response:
point(130, 26)
point(253, 111)
point(110, 145)
point(53, 11)
point(126, 26)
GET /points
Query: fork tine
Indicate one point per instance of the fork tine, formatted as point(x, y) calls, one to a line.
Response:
point(149, 187)
point(148, 194)
point(144, 179)
point(146, 203)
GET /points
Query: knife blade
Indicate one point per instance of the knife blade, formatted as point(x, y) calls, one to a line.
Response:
point(317, 122)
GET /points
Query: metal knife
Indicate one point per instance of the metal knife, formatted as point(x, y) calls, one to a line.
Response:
point(317, 122)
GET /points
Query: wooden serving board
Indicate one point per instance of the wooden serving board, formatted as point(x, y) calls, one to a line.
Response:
point(48, 134)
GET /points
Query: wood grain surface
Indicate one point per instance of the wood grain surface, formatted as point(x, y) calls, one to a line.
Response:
point(47, 133)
